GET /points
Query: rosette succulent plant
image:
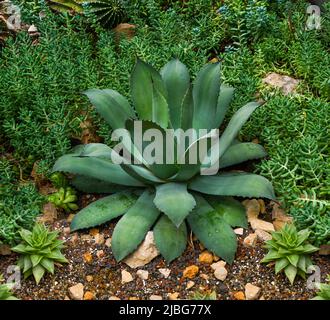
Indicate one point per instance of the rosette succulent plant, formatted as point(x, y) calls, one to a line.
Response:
point(64, 198)
point(164, 196)
point(5, 291)
point(39, 250)
point(290, 251)
point(324, 291)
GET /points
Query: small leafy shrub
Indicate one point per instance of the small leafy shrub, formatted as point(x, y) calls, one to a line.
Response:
point(39, 251)
point(202, 105)
point(290, 251)
point(324, 291)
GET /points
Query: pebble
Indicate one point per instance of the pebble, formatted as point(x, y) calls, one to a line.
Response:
point(86, 237)
point(190, 272)
point(205, 257)
point(239, 295)
point(252, 292)
point(88, 258)
point(76, 292)
point(218, 264)
point(204, 276)
point(74, 238)
point(190, 284)
point(252, 208)
point(89, 278)
point(114, 298)
point(126, 277)
point(165, 272)
point(99, 239)
point(142, 274)
point(173, 296)
point(221, 273)
point(66, 231)
point(155, 297)
point(262, 225)
point(263, 235)
point(250, 240)
point(100, 254)
point(89, 295)
point(239, 231)
point(93, 232)
point(108, 242)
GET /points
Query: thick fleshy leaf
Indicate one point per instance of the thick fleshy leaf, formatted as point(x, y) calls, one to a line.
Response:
point(234, 184)
point(149, 94)
point(212, 230)
point(38, 272)
point(225, 97)
point(271, 255)
point(177, 82)
point(187, 110)
point(141, 173)
point(133, 226)
point(302, 263)
point(175, 201)
point(48, 265)
point(35, 259)
point(103, 210)
point(170, 240)
point(291, 272)
point(293, 258)
point(97, 150)
point(206, 91)
point(241, 152)
point(232, 211)
point(111, 105)
point(281, 264)
point(95, 168)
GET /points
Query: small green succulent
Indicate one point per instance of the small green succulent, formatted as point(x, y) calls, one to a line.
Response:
point(324, 291)
point(59, 180)
point(5, 292)
point(289, 250)
point(200, 295)
point(64, 198)
point(39, 250)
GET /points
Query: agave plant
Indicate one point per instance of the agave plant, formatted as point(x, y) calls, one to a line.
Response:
point(290, 251)
point(163, 197)
point(39, 251)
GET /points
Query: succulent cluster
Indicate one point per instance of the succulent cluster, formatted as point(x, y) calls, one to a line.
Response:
point(39, 251)
point(165, 196)
point(324, 291)
point(290, 251)
point(5, 291)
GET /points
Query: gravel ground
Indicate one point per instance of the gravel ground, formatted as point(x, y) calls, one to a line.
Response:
point(106, 273)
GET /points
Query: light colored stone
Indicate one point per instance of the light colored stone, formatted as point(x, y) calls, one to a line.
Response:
point(204, 276)
point(217, 265)
point(239, 231)
point(89, 278)
point(89, 295)
point(190, 284)
point(142, 274)
point(66, 298)
point(100, 254)
point(99, 239)
point(144, 253)
point(88, 258)
point(252, 292)
point(165, 272)
point(285, 83)
point(66, 231)
point(49, 213)
point(262, 225)
point(263, 235)
point(32, 29)
point(155, 297)
point(114, 298)
point(74, 239)
point(262, 206)
point(108, 243)
point(126, 277)
point(205, 257)
point(279, 217)
point(239, 295)
point(173, 296)
point(190, 272)
point(94, 231)
point(250, 240)
point(76, 292)
point(86, 237)
point(221, 273)
point(252, 208)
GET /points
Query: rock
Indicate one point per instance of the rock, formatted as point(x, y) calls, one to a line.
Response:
point(126, 277)
point(190, 272)
point(89, 295)
point(262, 298)
point(66, 298)
point(221, 273)
point(133, 298)
point(32, 29)
point(263, 235)
point(239, 295)
point(108, 242)
point(252, 292)
point(239, 231)
point(250, 240)
point(165, 272)
point(144, 253)
point(88, 258)
point(49, 213)
point(285, 83)
point(93, 232)
point(74, 238)
point(100, 254)
point(89, 278)
point(262, 225)
point(76, 292)
point(142, 274)
point(205, 257)
point(217, 265)
point(99, 239)
point(252, 209)
point(204, 276)
point(190, 284)
point(324, 250)
point(5, 250)
point(114, 298)
point(262, 206)
point(155, 297)
point(173, 296)
point(66, 231)
point(279, 217)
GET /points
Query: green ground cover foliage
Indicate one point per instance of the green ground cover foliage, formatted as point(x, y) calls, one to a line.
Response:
point(42, 106)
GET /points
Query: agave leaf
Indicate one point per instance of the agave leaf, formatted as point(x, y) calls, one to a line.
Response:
point(225, 97)
point(103, 210)
point(133, 226)
point(241, 152)
point(149, 94)
point(174, 200)
point(232, 211)
point(170, 240)
point(95, 168)
point(290, 272)
point(212, 230)
point(206, 91)
point(98, 150)
point(281, 264)
point(141, 173)
point(233, 184)
point(111, 105)
point(38, 272)
point(177, 82)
